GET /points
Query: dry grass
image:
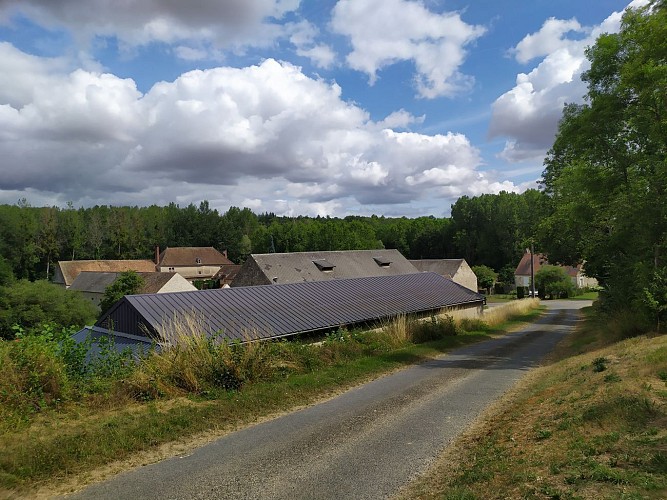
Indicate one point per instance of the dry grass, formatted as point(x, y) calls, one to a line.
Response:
point(593, 426)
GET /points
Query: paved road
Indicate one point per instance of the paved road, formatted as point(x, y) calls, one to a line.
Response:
point(366, 443)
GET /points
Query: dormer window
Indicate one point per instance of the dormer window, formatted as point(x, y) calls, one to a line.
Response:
point(324, 265)
point(198, 260)
point(382, 262)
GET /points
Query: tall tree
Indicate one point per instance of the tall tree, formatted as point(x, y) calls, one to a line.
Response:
point(607, 171)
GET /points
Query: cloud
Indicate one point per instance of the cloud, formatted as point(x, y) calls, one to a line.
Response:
point(384, 32)
point(529, 113)
point(227, 23)
point(303, 37)
point(266, 132)
point(549, 39)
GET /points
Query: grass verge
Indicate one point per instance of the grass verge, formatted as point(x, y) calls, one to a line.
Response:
point(591, 425)
point(65, 445)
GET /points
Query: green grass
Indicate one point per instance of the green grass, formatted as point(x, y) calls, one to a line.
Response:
point(593, 424)
point(70, 439)
point(498, 298)
point(586, 296)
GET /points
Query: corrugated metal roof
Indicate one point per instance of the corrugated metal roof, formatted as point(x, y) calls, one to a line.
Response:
point(303, 266)
point(281, 310)
point(121, 342)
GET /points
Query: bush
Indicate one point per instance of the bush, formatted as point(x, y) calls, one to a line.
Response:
point(34, 376)
point(30, 304)
point(553, 282)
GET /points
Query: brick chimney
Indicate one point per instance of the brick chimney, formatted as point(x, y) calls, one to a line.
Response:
point(157, 255)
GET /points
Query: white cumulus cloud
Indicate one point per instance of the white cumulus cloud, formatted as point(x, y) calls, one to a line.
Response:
point(265, 135)
point(384, 32)
point(528, 114)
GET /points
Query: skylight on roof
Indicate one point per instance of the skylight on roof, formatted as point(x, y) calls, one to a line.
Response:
point(382, 262)
point(324, 265)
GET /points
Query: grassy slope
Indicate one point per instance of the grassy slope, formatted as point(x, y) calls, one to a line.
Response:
point(59, 451)
point(593, 424)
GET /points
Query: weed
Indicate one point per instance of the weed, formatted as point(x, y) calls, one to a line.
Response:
point(600, 364)
point(542, 434)
point(612, 377)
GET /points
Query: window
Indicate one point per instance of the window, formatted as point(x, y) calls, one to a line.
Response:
point(171, 270)
point(324, 265)
point(382, 262)
point(198, 260)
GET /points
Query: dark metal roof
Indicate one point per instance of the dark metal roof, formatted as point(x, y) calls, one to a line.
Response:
point(281, 310)
point(121, 342)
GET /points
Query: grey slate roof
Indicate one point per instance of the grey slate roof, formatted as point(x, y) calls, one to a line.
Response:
point(321, 266)
point(281, 310)
point(97, 282)
point(444, 267)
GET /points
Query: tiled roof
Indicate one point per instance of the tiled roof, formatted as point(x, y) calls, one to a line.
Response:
point(271, 311)
point(523, 269)
point(192, 256)
point(70, 269)
point(444, 267)
point(323, 266)
point(539, 260)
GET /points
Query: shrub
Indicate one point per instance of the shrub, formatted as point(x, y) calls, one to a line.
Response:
point(29, 304)
point(34, 376)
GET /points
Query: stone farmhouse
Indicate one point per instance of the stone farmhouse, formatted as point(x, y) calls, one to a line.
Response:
point(456, 270)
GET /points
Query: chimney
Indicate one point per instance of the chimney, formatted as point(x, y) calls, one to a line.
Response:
point(157, 255)
point(224, 252)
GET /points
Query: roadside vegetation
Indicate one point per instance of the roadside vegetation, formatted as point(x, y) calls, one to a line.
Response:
point(61, 417)
point(592, 424)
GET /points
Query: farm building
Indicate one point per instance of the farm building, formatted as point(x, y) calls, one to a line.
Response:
point(576, 274)
point(92, 285)
point(456, 270)
point(67, 270)
point(281, 268)
point(275, 311)
point(193, 263)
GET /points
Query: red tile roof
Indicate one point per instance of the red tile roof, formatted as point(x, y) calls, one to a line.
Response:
point(192, 256)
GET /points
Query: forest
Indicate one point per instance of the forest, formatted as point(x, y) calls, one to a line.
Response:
point(489, 230)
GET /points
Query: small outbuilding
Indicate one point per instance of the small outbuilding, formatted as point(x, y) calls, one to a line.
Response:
point(92, 285)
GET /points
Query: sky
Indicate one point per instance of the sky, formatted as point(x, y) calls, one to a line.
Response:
point(297, 107)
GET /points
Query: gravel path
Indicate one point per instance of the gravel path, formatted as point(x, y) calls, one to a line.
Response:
point(366, 443)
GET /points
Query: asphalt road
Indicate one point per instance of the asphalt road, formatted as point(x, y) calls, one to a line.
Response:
point(366, 443)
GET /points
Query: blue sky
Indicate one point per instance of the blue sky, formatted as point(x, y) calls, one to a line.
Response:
point(348, 107)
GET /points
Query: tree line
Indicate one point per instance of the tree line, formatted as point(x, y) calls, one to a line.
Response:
point(602, 201)
point(486, 230)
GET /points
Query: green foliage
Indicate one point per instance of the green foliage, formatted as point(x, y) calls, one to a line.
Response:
point(127, 283)
point(553, 282)
point(606, 174)
point(486, 276)
point(491, 229)
point(29, 304)
point(6, 273)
